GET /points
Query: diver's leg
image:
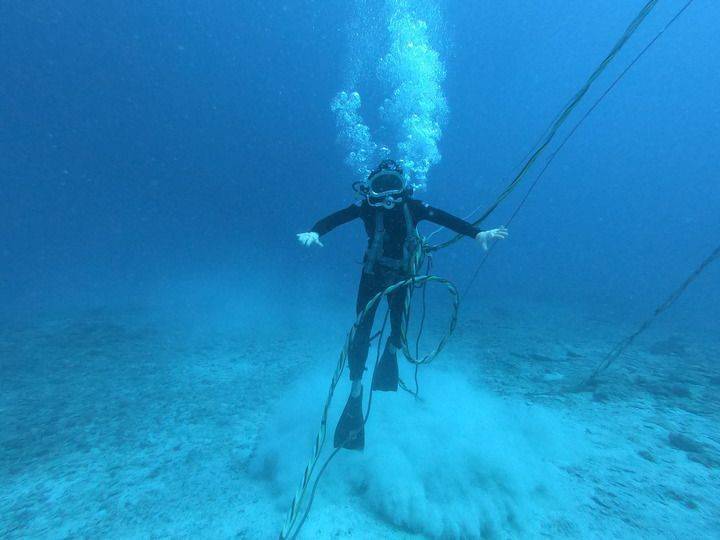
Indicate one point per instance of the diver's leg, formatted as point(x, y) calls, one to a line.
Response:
point(396, 301)
point(357, 355)
point(350, 429)
point(385, 376)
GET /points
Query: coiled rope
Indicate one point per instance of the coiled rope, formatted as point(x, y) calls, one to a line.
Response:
point(296, 509)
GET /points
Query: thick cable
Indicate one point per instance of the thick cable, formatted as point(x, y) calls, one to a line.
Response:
point(320, 473)
point(617, 351)
point(574, 129)
point(560, 120)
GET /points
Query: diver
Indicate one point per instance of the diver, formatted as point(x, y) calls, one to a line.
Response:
point(390, 216)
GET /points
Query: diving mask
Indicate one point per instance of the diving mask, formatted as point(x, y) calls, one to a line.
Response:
point(385, 185)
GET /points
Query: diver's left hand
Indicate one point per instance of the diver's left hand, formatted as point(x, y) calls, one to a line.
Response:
point(501, 233)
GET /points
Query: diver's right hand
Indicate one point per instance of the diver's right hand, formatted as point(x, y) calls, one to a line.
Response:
point(309, 238)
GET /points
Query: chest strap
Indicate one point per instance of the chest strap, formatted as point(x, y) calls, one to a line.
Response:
point(375, 251)
point(374, 255)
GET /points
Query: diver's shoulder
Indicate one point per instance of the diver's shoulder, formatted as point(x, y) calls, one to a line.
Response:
point(354, 205)
point(360, 206)
point(417, 203)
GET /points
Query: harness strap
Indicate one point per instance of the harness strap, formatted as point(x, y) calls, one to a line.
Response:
point(374, 252)
point(408, 219)
point(412, 241)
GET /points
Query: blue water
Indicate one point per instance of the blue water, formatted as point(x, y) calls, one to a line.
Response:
point(164, 337)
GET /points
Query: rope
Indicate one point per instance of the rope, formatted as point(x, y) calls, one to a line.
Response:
point(561, 118)
point(316, 482)
point(574, 129)
point(297, 502)
point(616, 351)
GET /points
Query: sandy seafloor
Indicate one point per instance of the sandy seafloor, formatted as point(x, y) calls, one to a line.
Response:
point(114, 426)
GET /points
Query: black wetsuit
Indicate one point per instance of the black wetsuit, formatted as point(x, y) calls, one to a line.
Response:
point(386, 261)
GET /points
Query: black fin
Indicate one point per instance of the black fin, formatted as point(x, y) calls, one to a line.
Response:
point(385, 376)
point(350, 430)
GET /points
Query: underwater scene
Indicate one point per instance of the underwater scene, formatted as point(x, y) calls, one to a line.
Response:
point(394, 269)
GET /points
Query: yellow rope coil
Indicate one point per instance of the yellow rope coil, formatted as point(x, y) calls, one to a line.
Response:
point(299, 497)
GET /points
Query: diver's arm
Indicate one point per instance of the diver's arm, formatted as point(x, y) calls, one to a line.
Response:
point(454, 223)
point(461, 226)
point(327, 224)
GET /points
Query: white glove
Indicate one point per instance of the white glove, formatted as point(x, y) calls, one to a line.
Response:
point(500, 233)
point(309, 238)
